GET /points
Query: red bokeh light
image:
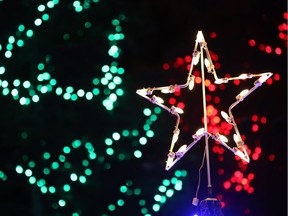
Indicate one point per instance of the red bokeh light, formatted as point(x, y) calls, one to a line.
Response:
point(252, 43)
point(172, 101)
point(166, 66)
point(227, 185)
point(255, 128)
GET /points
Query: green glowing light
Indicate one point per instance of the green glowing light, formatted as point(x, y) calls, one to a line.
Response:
point(111, 207)
point(120, 202)
point(28, 172)
point(138, 154)
point(143, 141)
point(19, 169)
point(169, 193)
point(82, 179)
point(162, 188)
point(66, 188)
point(62, 203)
point(66, 149)
point(41, 8)
point(116, 136)
point(88, 172)
point(52, 189)
point(123, 189)
point(109, 151)
point(156, 207)
point(125, 133)
point(73, 177)
point(32, 180)
point(29, 33)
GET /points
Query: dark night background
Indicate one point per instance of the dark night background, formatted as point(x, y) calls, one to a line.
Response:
point(156, 32)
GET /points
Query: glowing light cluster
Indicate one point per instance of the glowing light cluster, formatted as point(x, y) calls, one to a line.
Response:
point(28, 91)
point(282, 35)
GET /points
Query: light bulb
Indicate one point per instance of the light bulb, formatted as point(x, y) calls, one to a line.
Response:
point(156, 99)
point(206, 62)
point(167, 90)
point(222, 138)
point(236, 138)
point(226, 117)
point(242, 94)
point(243, 76)
point(199, 133)
point(179, 110)
point(175, 136)
point(181, 151)
point(182, 148)
point(196, 57)
point(191, 82)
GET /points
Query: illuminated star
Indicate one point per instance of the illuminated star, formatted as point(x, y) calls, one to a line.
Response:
point(198, 55)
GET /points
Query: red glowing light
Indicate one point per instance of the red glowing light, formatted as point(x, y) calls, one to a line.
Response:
point(181, 105)
point(282, 36)
point(213, 35)
point(179, 61)
point(252, 43)
point(254, 118)
point(278, 51)
point(207, 82)
point(214, 57)
point(221, 86)
point(261, 47)
point(238, 174)
point(244, 181)
point(188, 59)
point(227, 185)
point(285, 15)
point(217, 65)
point(263, 120)
point(255, 156)
point(217, 99)
point(220, 171)
point(177, 92)
point(250, 190)
point(208, 97)
point(268, 49)
point(276, 77)
point(269, 81)
point(216, 120)
point(166, 66)
point(197, 80)
point(238, 188)
point(258, 150)
point(212, 87)
point(172, 101)
point(251, 176)
point(236, 82)
point(271, 157)
point(255, 128)
point(196, 73)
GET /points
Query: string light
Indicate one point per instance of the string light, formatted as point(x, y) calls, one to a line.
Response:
point(239, 150)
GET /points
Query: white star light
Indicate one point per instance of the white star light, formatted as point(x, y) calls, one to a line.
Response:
point(198, 55)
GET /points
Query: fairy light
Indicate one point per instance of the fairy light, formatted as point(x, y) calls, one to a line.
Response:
point(239, 150)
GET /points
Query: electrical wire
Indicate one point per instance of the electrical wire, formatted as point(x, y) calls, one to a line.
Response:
point(199, 174)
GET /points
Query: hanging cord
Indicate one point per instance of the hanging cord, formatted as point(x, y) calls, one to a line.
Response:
point(195, 199)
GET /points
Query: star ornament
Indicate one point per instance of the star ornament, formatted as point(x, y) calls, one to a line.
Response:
point(200, 49)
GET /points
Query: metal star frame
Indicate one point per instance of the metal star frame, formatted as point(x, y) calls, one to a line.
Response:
point(198, 54)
